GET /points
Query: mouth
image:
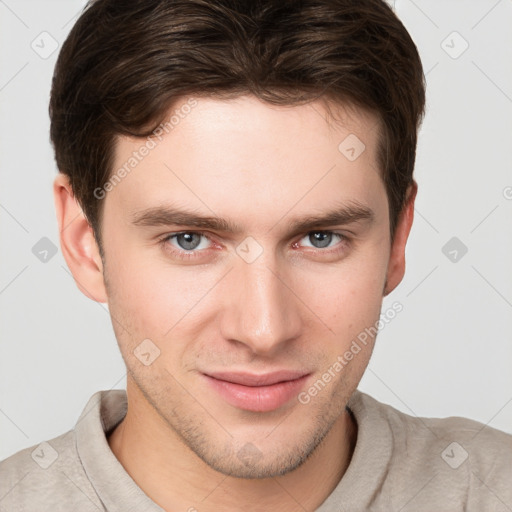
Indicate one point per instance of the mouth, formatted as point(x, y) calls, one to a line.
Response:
point(257, 393)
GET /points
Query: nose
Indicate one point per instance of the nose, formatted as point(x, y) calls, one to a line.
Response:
point(262, 311)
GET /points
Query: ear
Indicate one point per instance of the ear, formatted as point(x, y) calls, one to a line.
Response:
point(77, 242)
point(396, 264)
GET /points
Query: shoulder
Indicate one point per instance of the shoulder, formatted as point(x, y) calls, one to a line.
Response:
point(48, 473)
point(479, 440)
point(452, 458)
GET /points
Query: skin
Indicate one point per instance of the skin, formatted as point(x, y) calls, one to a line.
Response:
point(297, 306)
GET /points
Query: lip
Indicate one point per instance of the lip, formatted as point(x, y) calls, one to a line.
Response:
point(258, 393)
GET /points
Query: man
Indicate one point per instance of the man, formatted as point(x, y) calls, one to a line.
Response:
point(236, 182)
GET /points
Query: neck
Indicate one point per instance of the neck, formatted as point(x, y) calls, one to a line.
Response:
point(175, 478)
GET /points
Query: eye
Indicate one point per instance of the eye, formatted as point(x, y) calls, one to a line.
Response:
point(188, 241)
point(323, 239)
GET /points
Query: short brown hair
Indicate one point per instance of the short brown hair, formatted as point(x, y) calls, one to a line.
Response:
point(126, 62)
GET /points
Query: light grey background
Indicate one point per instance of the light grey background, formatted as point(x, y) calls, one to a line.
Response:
point(449, 352)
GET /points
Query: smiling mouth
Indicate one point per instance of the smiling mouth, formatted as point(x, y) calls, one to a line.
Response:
point(257, 393)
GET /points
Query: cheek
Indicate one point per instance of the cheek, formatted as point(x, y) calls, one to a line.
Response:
point(138, 301)
point(350, 306)
point(348, 297)
point(155, 299)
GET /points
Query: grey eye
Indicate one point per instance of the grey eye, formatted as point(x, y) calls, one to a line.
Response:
point(188, 241)
point(320, 239)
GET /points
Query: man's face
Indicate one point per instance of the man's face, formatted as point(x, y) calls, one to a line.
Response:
point(264, 298)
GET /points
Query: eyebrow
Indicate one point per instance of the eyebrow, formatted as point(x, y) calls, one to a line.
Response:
point(169, 215)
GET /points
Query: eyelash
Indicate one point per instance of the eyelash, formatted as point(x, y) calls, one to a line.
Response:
point(192, 254)
point(184, 255)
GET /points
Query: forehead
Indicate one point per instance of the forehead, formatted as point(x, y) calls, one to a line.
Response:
point(319, 123)
point(220, 155)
